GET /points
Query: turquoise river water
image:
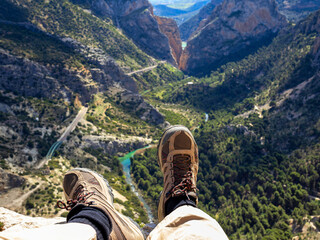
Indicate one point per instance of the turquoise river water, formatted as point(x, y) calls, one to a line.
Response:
point(125, 161)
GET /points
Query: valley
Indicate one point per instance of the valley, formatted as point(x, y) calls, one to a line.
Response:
point(88, 83)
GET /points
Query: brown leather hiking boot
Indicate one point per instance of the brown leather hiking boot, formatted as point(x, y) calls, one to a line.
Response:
point(83, 186)
point(178, 161)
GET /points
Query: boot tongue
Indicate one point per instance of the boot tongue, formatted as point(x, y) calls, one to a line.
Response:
point(181, 165)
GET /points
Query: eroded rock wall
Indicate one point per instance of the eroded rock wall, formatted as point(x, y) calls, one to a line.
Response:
point(137, 20)
point(169, 27)
point(233, 30)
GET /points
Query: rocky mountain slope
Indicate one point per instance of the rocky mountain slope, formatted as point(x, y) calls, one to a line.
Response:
point(294, 10)
point(138, 22)
point(233, 30)
point(91, 73)
point(191, 25)
point(169, 27)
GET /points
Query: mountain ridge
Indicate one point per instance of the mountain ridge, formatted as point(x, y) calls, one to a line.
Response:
point(232, 31)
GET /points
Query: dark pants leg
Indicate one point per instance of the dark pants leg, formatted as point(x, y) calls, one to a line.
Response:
point(94, 217)
point(175, 202)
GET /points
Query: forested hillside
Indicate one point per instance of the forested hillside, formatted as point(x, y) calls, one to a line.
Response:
point(259, 151)
point(60, 18)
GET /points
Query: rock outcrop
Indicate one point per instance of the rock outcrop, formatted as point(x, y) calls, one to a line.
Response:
point(112, 145)
point(9, 180)
point(15, 222)
point(233, 30)
point(169, 27)
point(142, 27)
point(29, 78)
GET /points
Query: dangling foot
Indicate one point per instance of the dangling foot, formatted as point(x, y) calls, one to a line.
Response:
point(86, 187)
point(178, 161)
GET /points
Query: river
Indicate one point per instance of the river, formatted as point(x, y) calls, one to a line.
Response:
point(125, 161)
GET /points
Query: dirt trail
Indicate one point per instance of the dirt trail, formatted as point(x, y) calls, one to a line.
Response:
point(19, 201)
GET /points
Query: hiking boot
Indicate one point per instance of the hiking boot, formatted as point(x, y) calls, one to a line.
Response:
point(178, 161)
point(83, 186)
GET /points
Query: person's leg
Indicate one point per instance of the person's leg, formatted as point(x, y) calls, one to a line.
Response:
point(178, 161)
point(177, 212)
point(91, 216)
point(187, 223)
point(94, 217)
point(91, 202)
point(175, 202)
point(61, 231)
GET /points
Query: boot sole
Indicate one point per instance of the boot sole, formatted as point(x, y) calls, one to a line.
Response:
point(172, 130)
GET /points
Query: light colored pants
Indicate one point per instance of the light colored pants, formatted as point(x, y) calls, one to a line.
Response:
point(186, 222)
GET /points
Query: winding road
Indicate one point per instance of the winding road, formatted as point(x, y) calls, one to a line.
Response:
point(63, 137)
point(146, 69)
point(74, 123)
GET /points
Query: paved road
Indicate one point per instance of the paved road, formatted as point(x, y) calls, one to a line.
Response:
point(145, 69)
point(74, 123)
point(64, 136)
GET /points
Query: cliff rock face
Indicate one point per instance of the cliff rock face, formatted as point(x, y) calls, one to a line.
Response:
point(142, 27)
point(9, 180)
point(190, 26)
point(138, 22)
point(170, 28)
point(233, 30)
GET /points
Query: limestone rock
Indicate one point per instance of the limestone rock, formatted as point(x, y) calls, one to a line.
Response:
point(143, 29)
point(15, 222)
point(233, 30)
point(170, 28)
point(29, 78)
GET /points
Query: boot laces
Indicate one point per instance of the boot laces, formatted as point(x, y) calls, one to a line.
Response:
point(80, 196)
point(182, 176)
